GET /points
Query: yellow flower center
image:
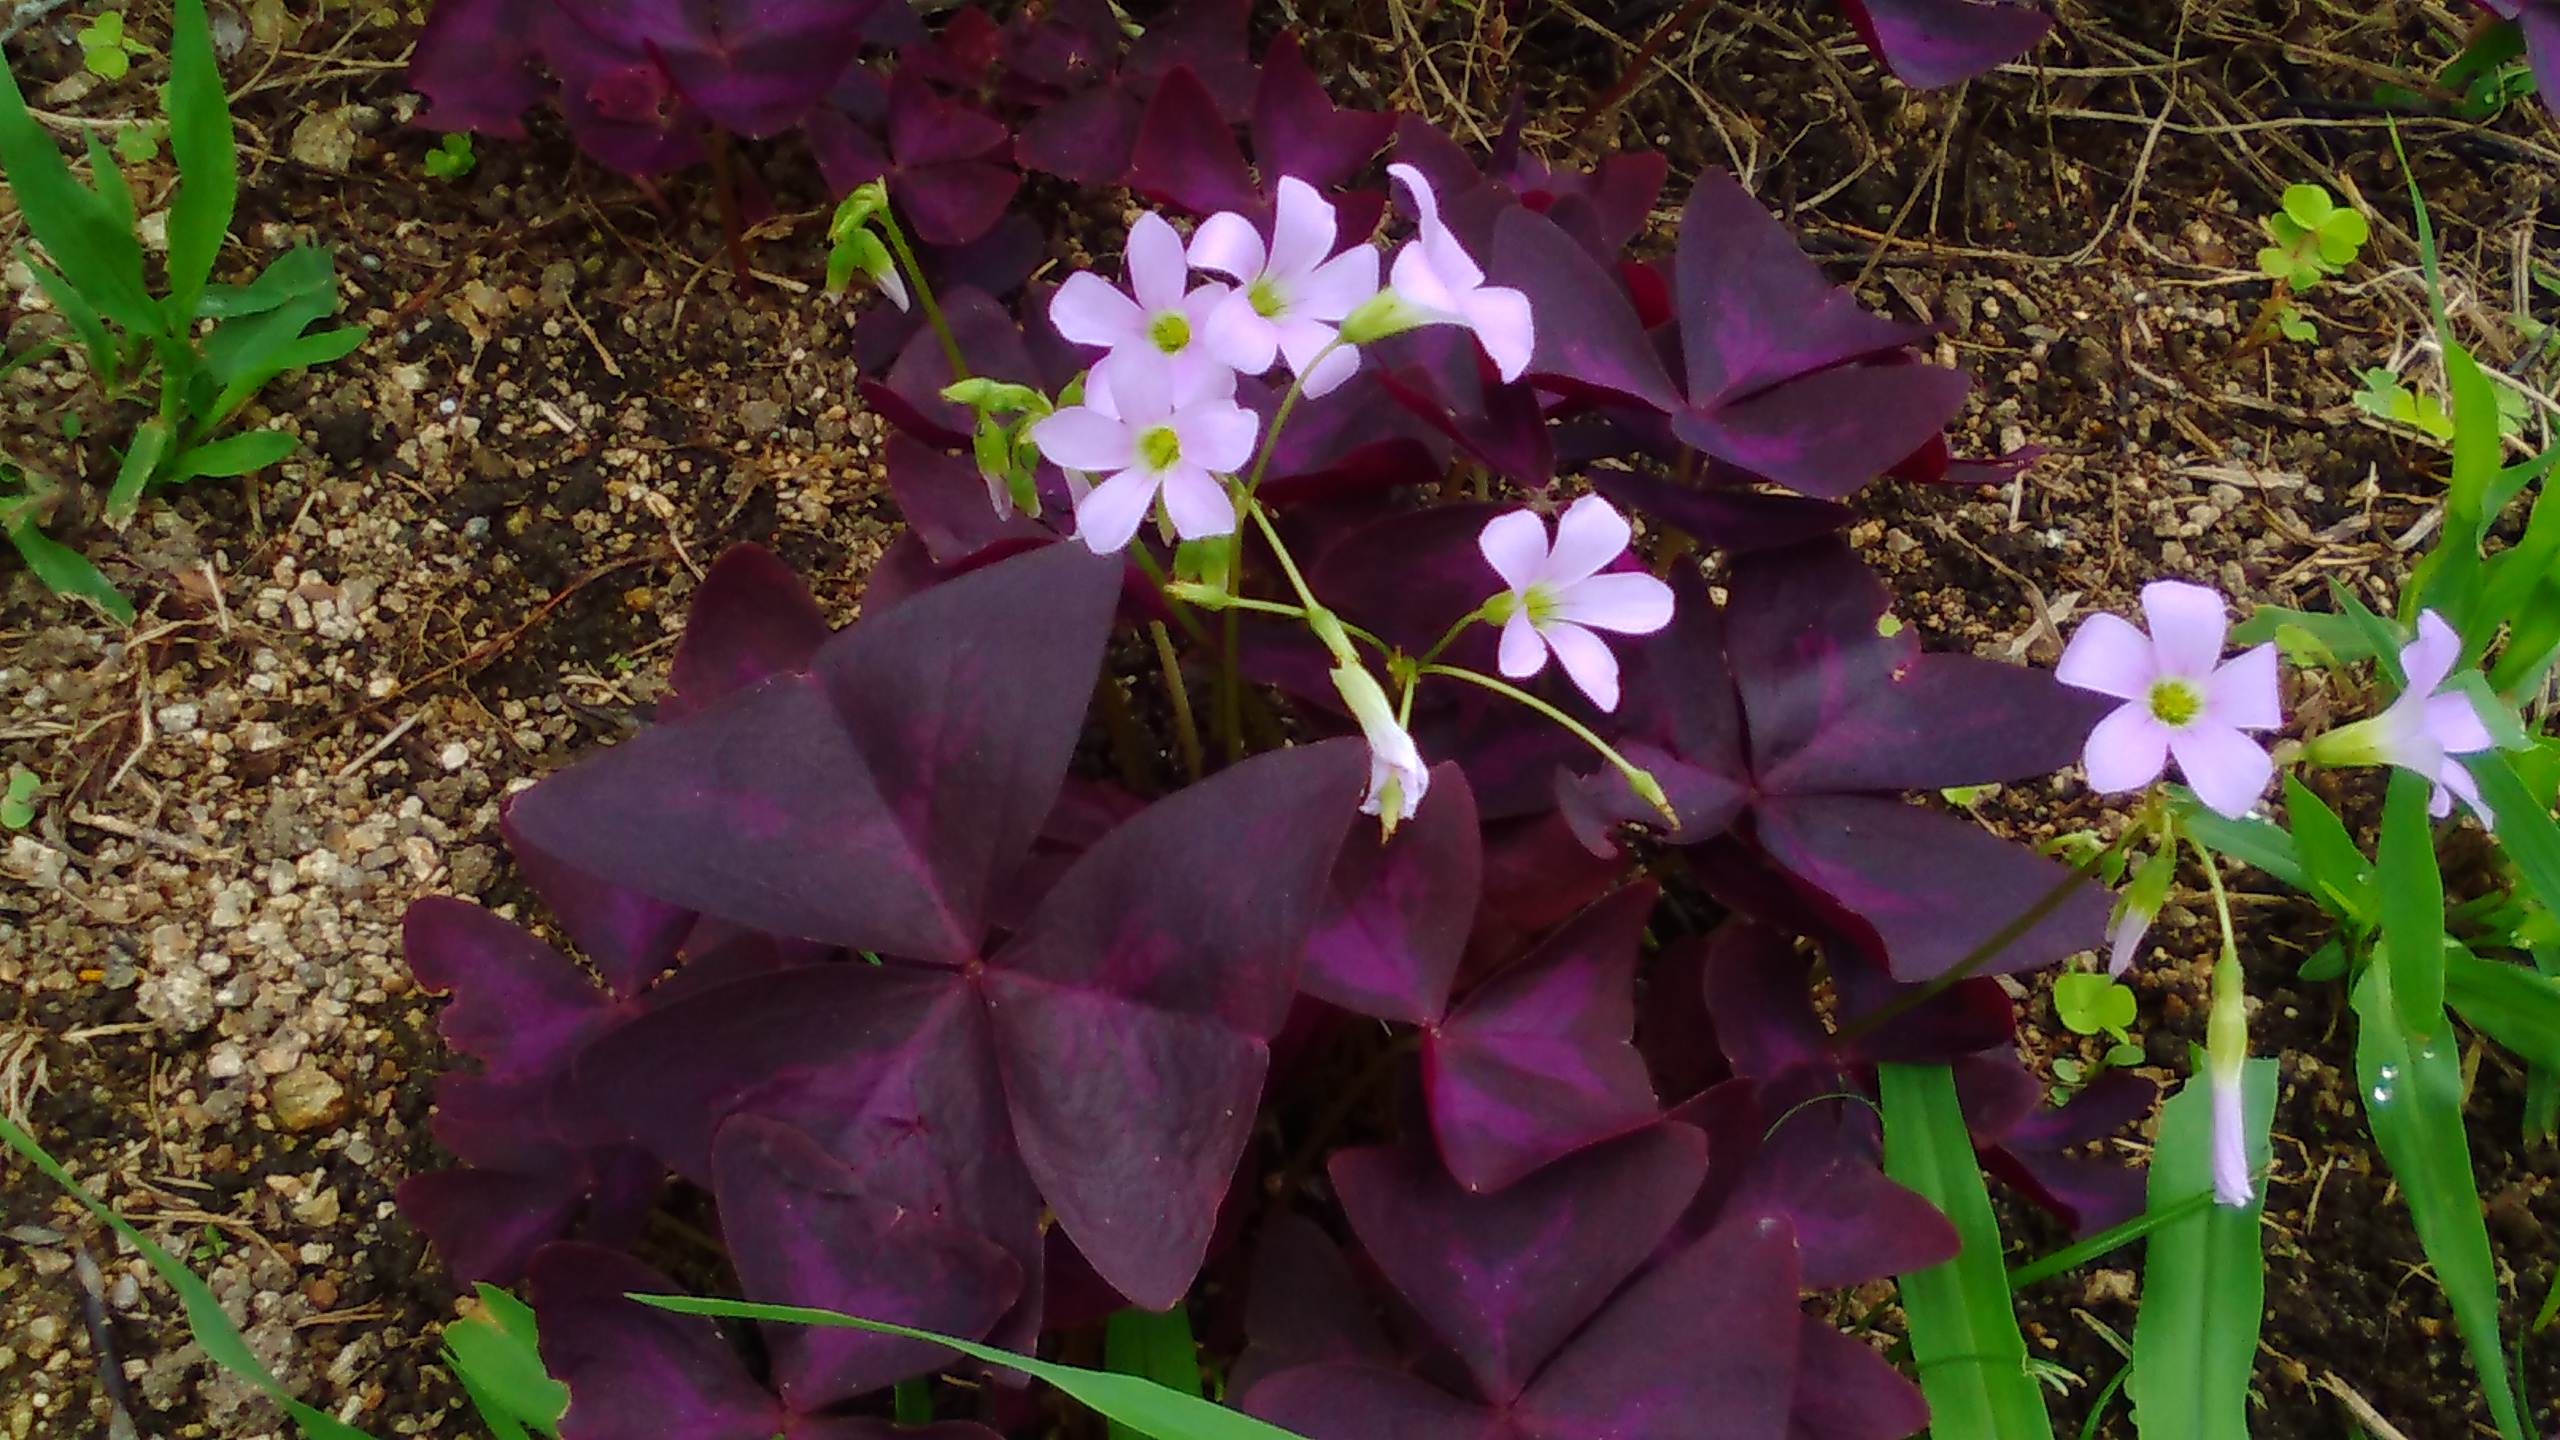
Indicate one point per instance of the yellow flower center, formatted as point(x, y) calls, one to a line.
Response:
point(1170, 332)
point(2175, 703)
point(1159, 448)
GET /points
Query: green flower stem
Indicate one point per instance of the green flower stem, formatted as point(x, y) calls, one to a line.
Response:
point(1639, 778)
point(1483, 613)
point(1318, 618)
point(1280, 417)
point(2226, 1031)
point(897, 239)
point(1182, 615)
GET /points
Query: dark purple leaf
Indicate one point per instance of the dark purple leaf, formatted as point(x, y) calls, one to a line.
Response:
point(942, 159)
point(1206, 37)
point(1186, 156)
point(519, 1007)
point(1932, 43)
point(1086, 138)
point(1830, 432)
point(1131, 1015)
point(1507, 1278)
point(873, 802)
point(1732, 520)
point(1304, 1308)
point(1589, 339)
point(802, 1231)
point(1501, 425)
point(1540, 1061)
point(990, 343)
point(486, 1224)
point(629, 938)
point(474, 63)
point(1396, 913)
point(754, 68)
point(1846, 1391)
point(1074, 44)
point(622, 109)
point(634, 1370)
point(2031, 1148)
point(1339, 1401)
point(1675, 1033)
point(1536, 873)
point(1819, 1168)
point(1297, 129)
point(945, 501)
point(751, 617)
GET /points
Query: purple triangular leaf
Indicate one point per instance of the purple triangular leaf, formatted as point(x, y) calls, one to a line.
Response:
point(1540, 1061)
point(1931, 43)
point(1590, 340)
point(628, 937)
point(1206, 37)
point(1851, 1222)
point(634, 1370)
point(927, 130)
point(875, 801)
point(1186, 156)
point(1759, 987)
point(801, 1231)
point(474, 63)
point(1297, 129)
point(1722, 518)
point(1920, 890)
point(1830, 432)
point(1303, 1308)
point(519, 1007)
point(1703, 1348)
point(1397, 912)
point(485, 1224)
point(944, 499)
point(1846, 1391)
point(1086, 138)
point(751, 617)
point(1504, 426)
point(1506, 1278)
point(1341, 1401)
point(752, 68)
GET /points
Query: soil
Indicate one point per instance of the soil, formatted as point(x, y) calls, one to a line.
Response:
point(475, 568)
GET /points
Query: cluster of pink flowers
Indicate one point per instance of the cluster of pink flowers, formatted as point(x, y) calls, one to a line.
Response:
point(1159, 416)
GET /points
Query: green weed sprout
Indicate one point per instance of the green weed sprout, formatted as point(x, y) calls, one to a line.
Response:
point(2314, 237)
point(2385, 398)
point(18, 802)
point(105, 50)
point(452, 158)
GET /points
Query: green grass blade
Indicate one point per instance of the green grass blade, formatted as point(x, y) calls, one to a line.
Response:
point(2412, 906)
point(77, 225)
point(66, 571)
point(2517, 1007)
point(1131, 1400)
point(2073, 1256)
point(498, 1357)
point(1964, 1327)
point(1155, 1346)
point(243, 454)
point(200, 141)
point(2195, 1339)
point(2341, 878)
point(2251, 842)
point(151, 442)
point(2524, 829)
point(207, 1325)
point(299, 354)
point(2413, 1100)
point(85, 321)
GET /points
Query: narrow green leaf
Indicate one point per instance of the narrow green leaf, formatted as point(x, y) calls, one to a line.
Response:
point(243, 454)
point(2524, 829)
point(151, 440)
point(2251, 842)
point(2343, 638)
point(1964, 1328)
point(77, 226)
point(499, 1358)
point(207, 1325)
point(2476, 448)
point(299, 273)
point(2533, 645)
point(2517, 1007)
point(200, 140)
point(2341, 878)
point(84, 319)
point(2382, 639)
point(301, 354)
point(108, 179)
point(66, 571)
point(1155, 1346)
point(239, 344)
point(2195, 1339)
point(2413, 1100)
point(2412, 905)
point(1131, 1400)
point(2114, 1237)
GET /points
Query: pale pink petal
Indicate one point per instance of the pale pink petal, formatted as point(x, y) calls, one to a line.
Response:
point(1338, 285)
point(1108, 518)
point(2227, 770)
point(1154, 264)
point(2126, 751)
point(1142, 381)
point(2187, 626)
point(1629, 602)
point(1500, 317)
point(1448, 259)
point(1198, 504)
point(2454, 777)
point(1197, 377)
point(1589, 534)
point(2245, 692)
point(2431, 657)
point(1329, 372)
point(1202, 303)
point(1524, 648)
point(1227, 244)
point(1302, 229)
point(1088, 311)
point(1077, 438)
point(1218, 435)
point(1238, 338)
point(2453, 722)
point(1515, 545)
point(1097, 391)
point(1412, 277)
point(2231, 1183)
point(1587, 660)
point(2108, 655)
point(2124, 939)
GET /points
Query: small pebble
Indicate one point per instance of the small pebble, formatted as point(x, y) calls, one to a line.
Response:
point(307, 1098)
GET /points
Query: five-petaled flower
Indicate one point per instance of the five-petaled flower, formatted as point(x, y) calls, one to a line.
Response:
point(1397, 776)
point(2178, 700)
point(1289, 296)
point(2425, 728)
point(1166, 319)
point(1152, 427)
point(1433, 281)
point(1559, 596)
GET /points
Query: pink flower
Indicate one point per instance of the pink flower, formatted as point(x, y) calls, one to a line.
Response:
point(1289, 298)
point(1434, 274)
point(1165, 319)
point(2424, 729)
point(1559, 596)
point(2178, 700)
point(1397, 777)
point(2125, 930)
point(1155, 427)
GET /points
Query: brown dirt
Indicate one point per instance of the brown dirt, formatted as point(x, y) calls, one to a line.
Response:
point(476, 566)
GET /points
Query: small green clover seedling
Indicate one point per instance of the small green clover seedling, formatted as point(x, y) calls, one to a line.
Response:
point(2093, 1004)
point(452, 158)
point(2314, 237)
point(18, 803)
point(2385, 398)
point(139, 141)
point(105, 50)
